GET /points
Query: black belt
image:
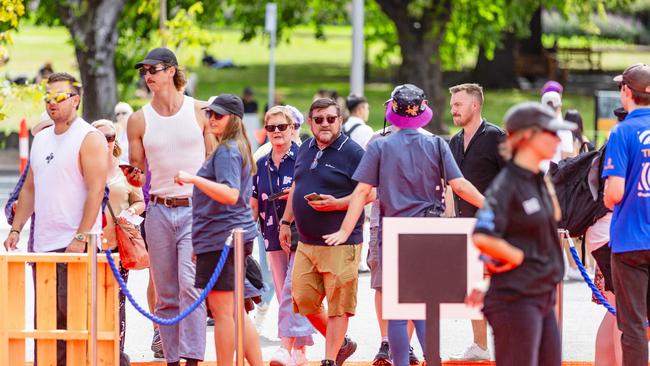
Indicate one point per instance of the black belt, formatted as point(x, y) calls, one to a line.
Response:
point(171, 201)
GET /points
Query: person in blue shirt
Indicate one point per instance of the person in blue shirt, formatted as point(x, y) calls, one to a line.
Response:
point(274, 177)
point(627, 192)
point(220, 203)
point(410, 171)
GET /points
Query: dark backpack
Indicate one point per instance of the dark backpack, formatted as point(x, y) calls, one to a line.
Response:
point(579, 189)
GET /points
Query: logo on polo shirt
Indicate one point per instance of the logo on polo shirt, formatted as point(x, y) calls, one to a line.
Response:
point(644, 181)
point(531, 206)
point(330, 166)
point(644, 137)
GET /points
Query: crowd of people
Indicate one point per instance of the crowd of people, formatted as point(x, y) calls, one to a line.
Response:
point(188, 167)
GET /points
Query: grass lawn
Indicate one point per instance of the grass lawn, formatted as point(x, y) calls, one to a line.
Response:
point(303, 66)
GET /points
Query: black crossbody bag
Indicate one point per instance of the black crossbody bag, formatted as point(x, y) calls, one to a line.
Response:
point(294, 230)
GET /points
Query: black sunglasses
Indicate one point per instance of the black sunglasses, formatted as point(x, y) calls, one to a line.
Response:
point(314, 163)
point(110, 138)
point(210, 113)
point(280, 127)
point(330, 119)
point(152, 70)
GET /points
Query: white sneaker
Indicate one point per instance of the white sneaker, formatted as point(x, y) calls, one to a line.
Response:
point(299, 357)
point(260, 316)
point(473, 353)
point(281, 357)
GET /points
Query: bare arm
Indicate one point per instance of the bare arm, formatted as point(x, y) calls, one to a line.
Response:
point(135, 133)
point(136, 201)
point(466, 190)
point(614, 190)
point(217, 191)
point(362, 193)
point(208, 138)
point(285, 230)
point(254, 208)
point(94, 166)
point(500, 250)
point(24, 209)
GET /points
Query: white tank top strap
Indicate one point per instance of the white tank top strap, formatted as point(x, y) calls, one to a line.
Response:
point(172, 143)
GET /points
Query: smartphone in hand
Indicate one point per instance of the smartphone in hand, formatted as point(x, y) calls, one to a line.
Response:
point(277, 195)
point(313, 197)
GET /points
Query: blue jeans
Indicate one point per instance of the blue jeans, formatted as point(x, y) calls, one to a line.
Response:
point(526, 332)
point(169, 237)
point(398, 339)
point(290, 324)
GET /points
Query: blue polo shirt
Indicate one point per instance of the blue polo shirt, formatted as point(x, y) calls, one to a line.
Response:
point(281, 178)
point(331, 175)
point(212, 222)
point(628, 156)
point(407, 169)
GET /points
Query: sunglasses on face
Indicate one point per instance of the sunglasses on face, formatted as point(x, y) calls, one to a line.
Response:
point(110, 138)
point(120, 114)
point(152, 70)
point(280, 127)
point(330, 119)
point(209, 114)
point(57, 97)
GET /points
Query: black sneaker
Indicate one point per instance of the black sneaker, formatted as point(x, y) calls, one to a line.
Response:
point(327, 363)
point(347, 349)
point(413, 359)
point(383, 356)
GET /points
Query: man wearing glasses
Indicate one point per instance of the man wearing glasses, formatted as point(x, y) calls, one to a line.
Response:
point(69, 159)
point(169, 133)
point(318, 200)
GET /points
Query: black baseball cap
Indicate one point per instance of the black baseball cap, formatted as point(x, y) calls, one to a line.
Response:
point(532, 114)
point(227, 104)
point(158, 56)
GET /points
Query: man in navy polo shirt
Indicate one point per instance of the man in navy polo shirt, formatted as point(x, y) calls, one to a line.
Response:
point(318, 200)
point(627, 191)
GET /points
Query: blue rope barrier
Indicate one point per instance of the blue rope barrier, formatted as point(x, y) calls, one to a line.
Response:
point(191, 308)
point(583, 271)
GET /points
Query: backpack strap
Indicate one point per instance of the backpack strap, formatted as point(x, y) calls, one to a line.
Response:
point(349, 132)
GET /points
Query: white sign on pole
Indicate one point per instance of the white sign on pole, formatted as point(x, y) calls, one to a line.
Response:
point(271, 18)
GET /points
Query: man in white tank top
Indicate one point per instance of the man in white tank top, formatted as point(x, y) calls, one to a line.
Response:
point(168, 133)
point(64, 186)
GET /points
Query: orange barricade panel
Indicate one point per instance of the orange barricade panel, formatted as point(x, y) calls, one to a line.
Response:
point(17, 311)
point(77, 311)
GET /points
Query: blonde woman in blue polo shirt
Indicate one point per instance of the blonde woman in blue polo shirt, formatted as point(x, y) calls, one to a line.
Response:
point(221, 202)
point(421, 166)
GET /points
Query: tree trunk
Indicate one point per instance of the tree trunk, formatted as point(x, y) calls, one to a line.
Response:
point(533, 44)
point(499, 72)
point(419, 41)
point(93, 27)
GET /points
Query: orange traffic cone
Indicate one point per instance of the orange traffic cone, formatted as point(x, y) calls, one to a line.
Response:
point(23, 144)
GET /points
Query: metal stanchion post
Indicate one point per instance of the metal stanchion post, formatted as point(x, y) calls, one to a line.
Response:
point(239, 296)
point(93, 244)
point(560, 287)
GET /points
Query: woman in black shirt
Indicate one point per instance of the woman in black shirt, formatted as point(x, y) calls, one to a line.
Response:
point(516, 231)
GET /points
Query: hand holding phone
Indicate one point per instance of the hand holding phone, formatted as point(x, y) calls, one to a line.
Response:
point(313, 197)
point(278, 195)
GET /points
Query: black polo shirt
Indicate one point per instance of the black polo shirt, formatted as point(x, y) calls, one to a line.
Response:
point(518, 209)
point(479, 163)
point(332, 175)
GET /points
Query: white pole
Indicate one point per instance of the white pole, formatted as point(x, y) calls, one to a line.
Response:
point(356, 64)
point(162, 20)
point(271, 27)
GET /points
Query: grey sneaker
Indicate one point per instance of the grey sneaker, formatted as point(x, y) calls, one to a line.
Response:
point(413, 359)
point(347, 349)
point(383, 356)
point(156, 345)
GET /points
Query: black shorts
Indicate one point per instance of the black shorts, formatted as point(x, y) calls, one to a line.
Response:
point(603, 257)
point(207, 262)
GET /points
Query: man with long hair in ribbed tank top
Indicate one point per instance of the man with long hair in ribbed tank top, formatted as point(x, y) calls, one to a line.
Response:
point(169, 134)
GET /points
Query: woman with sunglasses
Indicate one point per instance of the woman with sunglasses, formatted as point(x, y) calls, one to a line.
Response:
point(122, 197)
point(220, 203)
point(270, 191)
point(516, 230)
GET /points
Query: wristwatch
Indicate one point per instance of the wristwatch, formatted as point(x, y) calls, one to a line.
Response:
point(285, 222)
point(81, 237)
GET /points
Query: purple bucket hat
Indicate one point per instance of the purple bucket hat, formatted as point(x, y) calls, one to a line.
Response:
point(407, 107)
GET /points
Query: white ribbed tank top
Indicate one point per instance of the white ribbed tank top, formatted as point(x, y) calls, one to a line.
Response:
point(172, 143)
point(59, 188)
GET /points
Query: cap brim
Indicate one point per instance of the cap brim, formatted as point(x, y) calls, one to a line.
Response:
point(559, 124)
point(618, 78)
point(408, 122)
point(147, 61)
point(217, 109)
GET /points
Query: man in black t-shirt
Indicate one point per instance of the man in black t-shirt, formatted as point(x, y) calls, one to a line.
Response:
point(476, 151)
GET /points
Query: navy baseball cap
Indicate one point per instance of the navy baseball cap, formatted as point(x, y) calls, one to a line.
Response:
point(227, 104)
point(532, 114)
point(157, 56)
